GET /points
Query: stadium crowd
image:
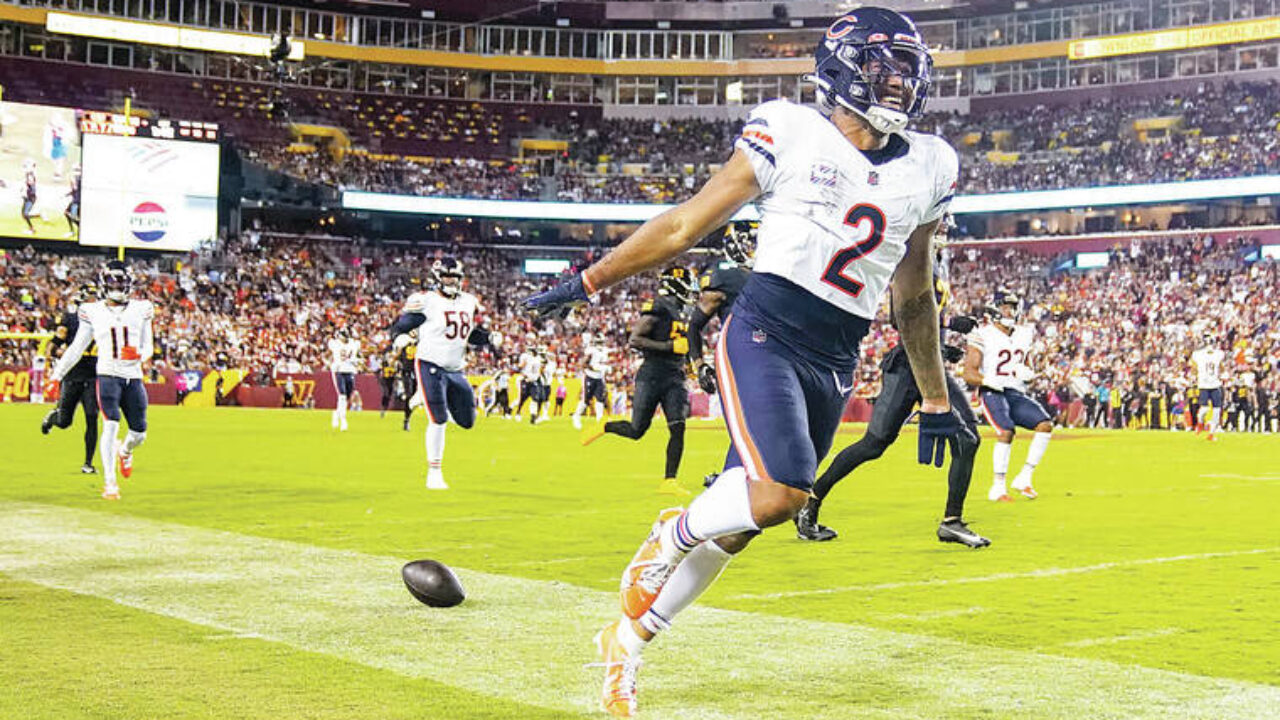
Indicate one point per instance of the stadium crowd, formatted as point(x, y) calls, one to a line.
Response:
point(1116, 337)
point(1212, 132)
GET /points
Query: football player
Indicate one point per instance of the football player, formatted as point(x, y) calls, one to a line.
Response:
point(79, 385)
point(529, 367)
point(447, 320)
point(405, 347)
point(849, 201)
point(1207, 362)
point(996, 364)
point(546, 380)
point(717, 291)
point(120, 325)
point(898, 398)
point(29, 194)
point(346, 357)
point(595, 369)
point(661, 336)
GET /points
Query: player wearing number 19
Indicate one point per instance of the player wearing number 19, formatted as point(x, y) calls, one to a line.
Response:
point(121, 327)
point(849, 201)
point(447, 320)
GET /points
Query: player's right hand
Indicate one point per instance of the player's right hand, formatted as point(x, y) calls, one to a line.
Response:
point(129, 352)
point(52, 388)
point(560, 300)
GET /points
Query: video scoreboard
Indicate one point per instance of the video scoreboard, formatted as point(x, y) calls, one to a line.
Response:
point(95, 122)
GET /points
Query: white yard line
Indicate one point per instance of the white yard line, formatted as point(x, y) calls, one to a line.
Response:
point(1130, 637)
point(1000, 577)
point(526, 640)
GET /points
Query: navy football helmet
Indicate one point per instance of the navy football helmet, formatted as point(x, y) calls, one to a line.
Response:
point(447, 268)
point(874, 62)
point(116, 282)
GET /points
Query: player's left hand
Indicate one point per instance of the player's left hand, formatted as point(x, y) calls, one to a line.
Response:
point(936, 428)
point(129, 352)
point(707, 378)
point(52, 388)
point(962, 324)
point(560, 300)
point(952, 354)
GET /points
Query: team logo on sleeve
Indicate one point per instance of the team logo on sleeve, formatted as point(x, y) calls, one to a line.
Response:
point(823, 173)
point(148, 222)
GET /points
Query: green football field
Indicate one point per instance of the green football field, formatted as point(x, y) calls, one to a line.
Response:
point(252, 571)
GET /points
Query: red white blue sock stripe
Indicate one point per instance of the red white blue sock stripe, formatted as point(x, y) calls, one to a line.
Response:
point(684, 537)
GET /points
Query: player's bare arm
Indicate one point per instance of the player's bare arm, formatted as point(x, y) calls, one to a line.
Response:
point(675, 231)
point(640, 339)
point(972, 373)
point(916, 311)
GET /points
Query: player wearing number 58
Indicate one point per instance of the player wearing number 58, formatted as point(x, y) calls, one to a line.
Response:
point(849, 200)
point(447, 319)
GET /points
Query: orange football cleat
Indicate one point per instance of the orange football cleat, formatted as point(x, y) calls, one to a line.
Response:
point(618, 696)
point(126, 464)
point(647, 573)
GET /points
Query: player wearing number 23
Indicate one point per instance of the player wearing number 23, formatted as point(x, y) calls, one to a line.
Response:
point(120, 325)
point(447, 319)
point(849, 200)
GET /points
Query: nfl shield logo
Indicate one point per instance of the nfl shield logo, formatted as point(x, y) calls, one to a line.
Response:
point(758, 336)
point(873, 178)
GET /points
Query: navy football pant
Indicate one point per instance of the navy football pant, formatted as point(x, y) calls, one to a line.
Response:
point(782, 410)
point(118, 395)
point(446, 395)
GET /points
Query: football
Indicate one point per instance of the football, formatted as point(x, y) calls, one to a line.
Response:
point(432, 583)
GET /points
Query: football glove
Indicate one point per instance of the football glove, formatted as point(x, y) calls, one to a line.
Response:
point(935, 430)
point(951, 354)
point(707, 378)
point(680, 346)
point(560, 300)
point(129, 352)
point(53, 389)
point(962, 324)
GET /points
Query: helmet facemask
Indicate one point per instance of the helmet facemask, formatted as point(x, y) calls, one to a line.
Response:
point(891, 80)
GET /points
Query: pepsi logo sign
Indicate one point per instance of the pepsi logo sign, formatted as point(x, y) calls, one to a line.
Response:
point(148, 222)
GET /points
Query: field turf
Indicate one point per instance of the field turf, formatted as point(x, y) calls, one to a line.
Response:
point(251, 571)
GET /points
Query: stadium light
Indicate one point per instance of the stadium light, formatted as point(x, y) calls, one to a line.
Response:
point(1259, 185)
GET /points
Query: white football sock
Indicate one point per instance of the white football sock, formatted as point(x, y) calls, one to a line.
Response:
point(695, 574)
point(132, 440)
point(599, 410)
point(1000, 459)
point(631, 641)
point(108, 448)
point(435, 445)
point(1039, 444)
point(577, 412)
point(722, 509)
point(1214, 416)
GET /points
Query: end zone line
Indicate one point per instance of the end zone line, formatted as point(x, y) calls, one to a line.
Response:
point(1030, 574)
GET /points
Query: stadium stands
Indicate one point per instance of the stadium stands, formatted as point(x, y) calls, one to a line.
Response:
point(271, 308)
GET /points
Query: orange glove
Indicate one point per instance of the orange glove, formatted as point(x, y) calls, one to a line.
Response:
point(52, 388)
point(129, 352)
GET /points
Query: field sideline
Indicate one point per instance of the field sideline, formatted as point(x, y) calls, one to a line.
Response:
point(251, 571)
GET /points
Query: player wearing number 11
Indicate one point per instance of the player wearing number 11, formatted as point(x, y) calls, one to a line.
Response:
point(121, 327)
point(849, 200)
point(447, 320)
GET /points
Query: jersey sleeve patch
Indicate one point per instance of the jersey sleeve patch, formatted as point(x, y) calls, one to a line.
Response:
point(760, 140)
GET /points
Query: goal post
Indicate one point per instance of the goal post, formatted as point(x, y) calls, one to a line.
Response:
point(24, 381)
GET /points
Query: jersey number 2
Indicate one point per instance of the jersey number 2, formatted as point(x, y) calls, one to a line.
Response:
point(834, 274)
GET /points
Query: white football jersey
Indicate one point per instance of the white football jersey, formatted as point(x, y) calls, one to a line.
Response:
point(530, 366)
point(1003, 355)
point(548, 371)
point(597, 363)
point(831, 220)
point(442, 337)
point(1208, 362)
point(123, 336)
point(345, 354)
